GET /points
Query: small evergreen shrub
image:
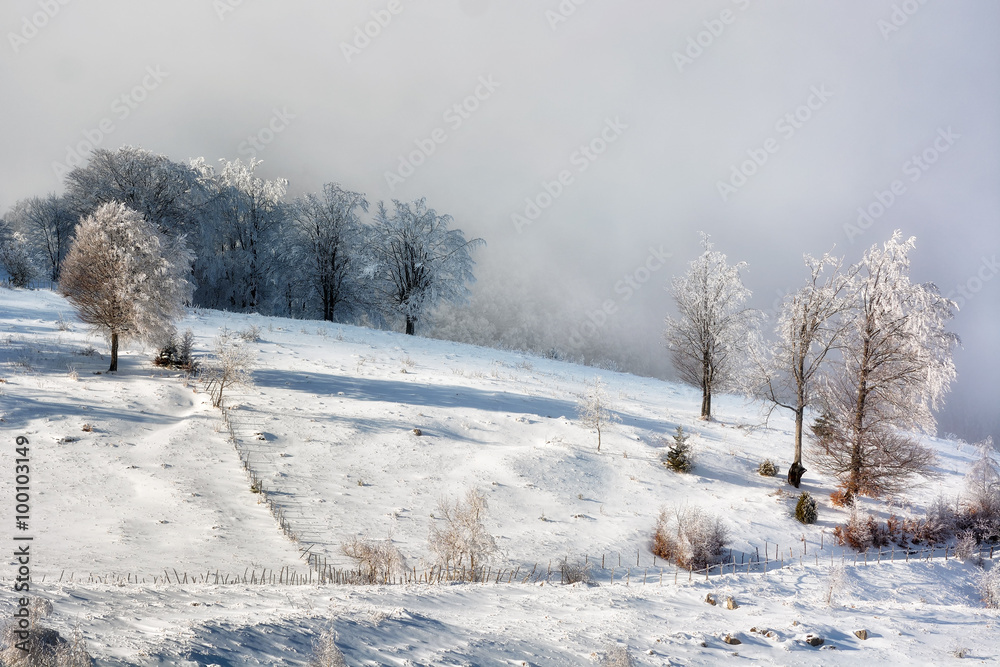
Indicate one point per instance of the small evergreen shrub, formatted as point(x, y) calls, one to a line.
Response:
point(767, 468)
point(177, 353)
point(805, 509)
point(679, 457)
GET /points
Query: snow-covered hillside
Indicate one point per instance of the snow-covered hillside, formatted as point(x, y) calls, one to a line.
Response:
point(133, 478)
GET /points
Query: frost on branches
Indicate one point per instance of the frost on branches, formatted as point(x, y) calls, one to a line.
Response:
point(593, 409)
point(810, 326)
point(328, 242)
point(707, 341)
point(45, 225)
point(418, 262)
point(124, 278)
point(239, 264)
point(896, 368)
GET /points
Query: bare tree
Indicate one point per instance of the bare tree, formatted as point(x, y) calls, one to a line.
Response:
point(708, 337)
point(232, 367)
point(124, 278)
point(47, 225)
point(896, 367)
point(593, 409)
point(810, 326)
point(329, 236)
point(418, 262)
point(464, 536)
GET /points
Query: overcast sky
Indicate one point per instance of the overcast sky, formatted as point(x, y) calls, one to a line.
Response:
point(830, 101)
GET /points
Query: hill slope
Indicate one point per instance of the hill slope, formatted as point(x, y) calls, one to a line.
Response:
point(153, 485)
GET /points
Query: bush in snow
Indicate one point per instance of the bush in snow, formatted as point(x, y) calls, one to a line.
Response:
point(617, 656)
point(232, 367)
point(989, 587)
point(679, 457)
point(45, 646)
point(689, 537)
point(326, 653)
point(574, 572)
point(966, 547)
point(805, 509)
point(377, 560)
point(463, 539)
point(177, 353)
point(767, 468)
point(862, 531)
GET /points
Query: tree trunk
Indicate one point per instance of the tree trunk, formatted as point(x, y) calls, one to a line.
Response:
point(410, 325)
point(795, 471)
point(854, 478)
point(114, 352)
point(706, 404)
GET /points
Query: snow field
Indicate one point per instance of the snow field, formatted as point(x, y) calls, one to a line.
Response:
point(155, 485)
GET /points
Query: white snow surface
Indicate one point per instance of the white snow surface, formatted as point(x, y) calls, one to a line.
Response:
point(155, 487)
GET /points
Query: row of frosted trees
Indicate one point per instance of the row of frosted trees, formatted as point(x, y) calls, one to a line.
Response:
point(860, 345)
point(256, 251)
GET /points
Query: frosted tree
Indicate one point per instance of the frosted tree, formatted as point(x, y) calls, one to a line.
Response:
point(463, 535)
point(232, 367)
point(46, 224)
point(593, 409)
point(124, 278)
point(240, 261)
point(417, 262)
point(810, 326)
point(895, 370)
point(707, 340)
point(15, 256)
point(983, 482)
point(329, 235)
point(166, 193)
